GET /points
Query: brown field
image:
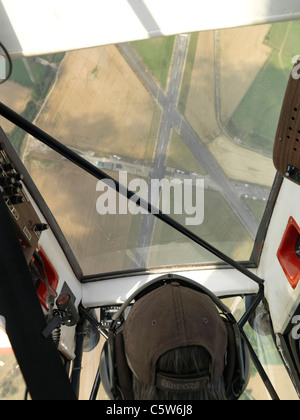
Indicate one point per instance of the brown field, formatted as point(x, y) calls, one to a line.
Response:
point(242, 164)
point(99, 104)
point(243, 54)
point(98, 242)
point(15, 97)
point(200, 107)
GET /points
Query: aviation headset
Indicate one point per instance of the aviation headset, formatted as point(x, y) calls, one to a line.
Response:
point(115, 373)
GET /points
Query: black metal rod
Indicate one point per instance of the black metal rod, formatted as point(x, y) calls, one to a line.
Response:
point(96, 386)
point(93, 321)
point(252, 307)
point(260, 369)
point(63, 150)
point(76, 371)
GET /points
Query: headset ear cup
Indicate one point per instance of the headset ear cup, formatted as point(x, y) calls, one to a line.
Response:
point(115, 374)
point(105, 373)
point(247, 364)
point(230, 367)
point(238, 368)
point(124, 374)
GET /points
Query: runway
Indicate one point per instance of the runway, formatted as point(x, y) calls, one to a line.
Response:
point(173, 119)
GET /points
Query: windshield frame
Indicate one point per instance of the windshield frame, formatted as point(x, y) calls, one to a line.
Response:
point(64, 151)
point(42, 205)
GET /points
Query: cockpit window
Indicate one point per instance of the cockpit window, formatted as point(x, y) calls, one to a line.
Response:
point(185, 122)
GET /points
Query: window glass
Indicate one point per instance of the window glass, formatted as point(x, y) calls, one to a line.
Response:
point(199, 111)
point(12, 385)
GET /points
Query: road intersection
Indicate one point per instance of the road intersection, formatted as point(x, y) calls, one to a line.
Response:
point(173, 119)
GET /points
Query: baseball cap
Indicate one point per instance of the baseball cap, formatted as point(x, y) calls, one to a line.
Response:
point(170, 317)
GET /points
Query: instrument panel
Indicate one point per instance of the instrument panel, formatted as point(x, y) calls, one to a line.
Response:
point(27, 223)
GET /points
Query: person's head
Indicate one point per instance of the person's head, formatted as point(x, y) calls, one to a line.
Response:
point(175, 344)
point(179, 341)
point(183, 361)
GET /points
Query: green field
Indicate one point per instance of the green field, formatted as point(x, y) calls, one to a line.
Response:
point(37, 77)
point(189, 65)
point(221, 228)
point(255, 120)
point(257, 207)
point(157, 54)
point(180, 156)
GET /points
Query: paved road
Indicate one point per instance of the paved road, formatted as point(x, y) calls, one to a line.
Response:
point(171, 118)
point(168, 102)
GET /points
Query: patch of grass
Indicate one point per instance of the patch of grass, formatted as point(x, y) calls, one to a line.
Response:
point(186, 81)
point(180, 156)
point(255, 120)
point(284, 37)
point(17, 135)
point(220, 227)
point(153, 133)
point(20, 74)
point(39, 78)
point(157, 54)
point(257, 207)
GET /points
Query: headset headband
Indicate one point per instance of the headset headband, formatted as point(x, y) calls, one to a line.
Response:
point(165, 279)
